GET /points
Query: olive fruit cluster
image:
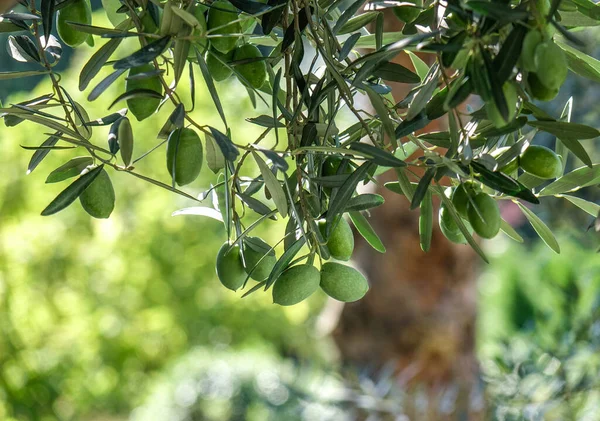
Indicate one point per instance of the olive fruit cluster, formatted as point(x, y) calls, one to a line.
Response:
point(224, 52)
point(296, 283)
point(543, 61)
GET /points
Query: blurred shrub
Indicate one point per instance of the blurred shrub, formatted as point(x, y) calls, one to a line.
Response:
point(249, 385)
point(91, 309)
point(539, 332)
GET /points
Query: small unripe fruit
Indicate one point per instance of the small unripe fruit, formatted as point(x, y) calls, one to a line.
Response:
point(484, 216)
point(79, 11)
point(542, 162)
point(254, 72)
point(220, 17)
point(254, 251)
point(530, 43)
point(460, 197)
point(551, 65)
point(230, 269)
point(342, 282)
point(296, 284)
point(184, 153)
point(538, 90)
point(449, 227)
point(143, 107)
point(216, 67)
point(341, 240)
point(98, 199)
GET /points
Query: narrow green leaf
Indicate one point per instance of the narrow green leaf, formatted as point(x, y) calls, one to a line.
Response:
point(378, 156)
point(366, 231)
point(229, 150)
point(581, 63)
point(72, 168)
point(422, 188)
point(339, 202)
point(576, 179)
point(541, 228)
point(95, 63)
point(284, 261)
point(19, 75)
point(578, 150)
point(565, 129)
point(144, 55)
point(210, 85)
point(214, 157)
point(273, 185)
point(68, 195)
point(590, 207)
point(363, 202)
point(510, 231)
point(382, 111)
point(40, 154)
point(136, 93)
point(426, 222)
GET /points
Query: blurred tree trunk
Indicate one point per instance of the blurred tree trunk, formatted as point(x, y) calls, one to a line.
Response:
point(420, 311)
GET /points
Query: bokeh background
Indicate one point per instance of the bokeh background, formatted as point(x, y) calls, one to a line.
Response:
point(124, 319)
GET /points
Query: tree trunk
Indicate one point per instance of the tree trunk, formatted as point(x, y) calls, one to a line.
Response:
point(420, 311)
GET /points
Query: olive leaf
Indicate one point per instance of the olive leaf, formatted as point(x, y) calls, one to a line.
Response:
point(68, 195)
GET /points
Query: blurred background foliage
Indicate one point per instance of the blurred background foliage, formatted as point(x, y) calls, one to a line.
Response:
point(124, 318)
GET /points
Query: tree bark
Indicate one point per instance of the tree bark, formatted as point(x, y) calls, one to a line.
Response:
point(420, 311)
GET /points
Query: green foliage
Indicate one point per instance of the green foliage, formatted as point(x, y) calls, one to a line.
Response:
point(303, 76)
point(538, 334)
point(91, 310)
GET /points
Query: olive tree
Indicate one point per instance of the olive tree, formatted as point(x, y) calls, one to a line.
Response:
point(304, 64)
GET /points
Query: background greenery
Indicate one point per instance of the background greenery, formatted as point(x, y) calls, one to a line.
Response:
point(125, 319)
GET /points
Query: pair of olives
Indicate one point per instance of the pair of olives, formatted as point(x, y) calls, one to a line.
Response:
point(479, 211)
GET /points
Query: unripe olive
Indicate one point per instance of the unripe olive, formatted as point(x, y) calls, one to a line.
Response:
point(215, 64)
point(254, 251)
point(143, 107)
point(296, 284)
point(484, 216)
point(255, 72)
point(530, 43)
point(78, 11)
point(460, 196)
point(341, 240)
point(551, 65)
point(220, 17)
point(184, 153)
point(541, 161)
point(230, 269)
point(342, 282)
point(98, 199)
point(538, 90)
point(450, 228)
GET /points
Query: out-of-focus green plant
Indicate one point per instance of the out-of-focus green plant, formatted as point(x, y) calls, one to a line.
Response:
point(90, 309)
point(539, 333)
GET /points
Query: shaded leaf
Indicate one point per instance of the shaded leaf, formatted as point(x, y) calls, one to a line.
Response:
point(68, 195)
point(229, 150)
point(40, 154)
point(95, 63)
point(273, 185)
point(542, 230)
point(72, 168)
point(143, 55)
point(364, 202)
point(366, 231)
